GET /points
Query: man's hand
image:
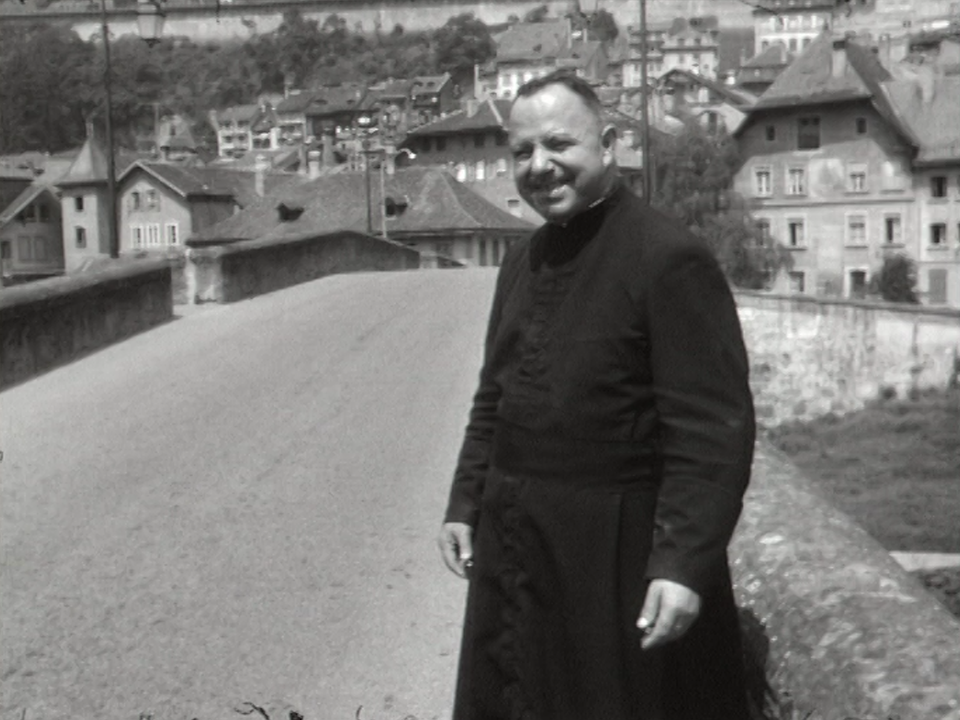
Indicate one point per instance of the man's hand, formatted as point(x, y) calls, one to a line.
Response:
point(668, 612)
point(456, 546)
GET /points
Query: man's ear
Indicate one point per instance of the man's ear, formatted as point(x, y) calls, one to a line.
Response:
point(608, 140)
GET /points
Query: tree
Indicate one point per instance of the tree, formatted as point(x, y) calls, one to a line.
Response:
point(464, 41)
point(602, 26)
point(538, 14)
point(695, 175)
point(897, 280)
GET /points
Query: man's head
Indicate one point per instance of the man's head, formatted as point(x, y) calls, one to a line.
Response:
point(563, 153)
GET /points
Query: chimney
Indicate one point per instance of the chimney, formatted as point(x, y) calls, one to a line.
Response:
point(927, 80)
point(260, 165)
point(884, 54)
point(471, 105)
point(838, 60)
point(313, 164)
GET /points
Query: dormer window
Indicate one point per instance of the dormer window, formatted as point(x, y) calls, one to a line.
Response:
point(394, 207)
point(288, 213)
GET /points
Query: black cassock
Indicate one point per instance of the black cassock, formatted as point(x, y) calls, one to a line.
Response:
point(609, 443)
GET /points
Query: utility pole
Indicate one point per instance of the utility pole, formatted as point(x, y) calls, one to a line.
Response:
point(644, 108)
point(112, 234)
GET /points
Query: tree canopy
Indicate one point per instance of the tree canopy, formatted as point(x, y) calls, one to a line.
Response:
point(694, 177)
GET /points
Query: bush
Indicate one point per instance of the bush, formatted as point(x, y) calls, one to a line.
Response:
point(897, 280)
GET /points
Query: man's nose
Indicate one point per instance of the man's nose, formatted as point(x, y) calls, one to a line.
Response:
point(539, 161)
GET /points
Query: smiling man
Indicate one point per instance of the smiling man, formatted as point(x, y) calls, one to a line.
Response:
point(607, 452)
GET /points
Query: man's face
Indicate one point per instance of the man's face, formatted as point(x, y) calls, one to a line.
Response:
point(562, 156)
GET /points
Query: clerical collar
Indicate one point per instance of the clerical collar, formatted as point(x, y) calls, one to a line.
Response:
point(559, 244)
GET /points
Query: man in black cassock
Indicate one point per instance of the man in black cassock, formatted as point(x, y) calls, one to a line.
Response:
point(607, 452)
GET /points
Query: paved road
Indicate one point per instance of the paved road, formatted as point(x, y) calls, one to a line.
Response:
point(241, 506)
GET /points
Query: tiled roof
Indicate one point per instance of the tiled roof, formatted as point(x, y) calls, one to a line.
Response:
point(810, 78)
point(579, 54)
point(428, 84)
point(775, 56)
point(212, 182)
point(238, 112)
point(490, 114)
point(436, 202)
point(295, 103)
point(532, 41)
point(735, 96)
point(26, 197)
point(934, 121)
point(764, 7)
point(395, 89)
point(337, 99)
point(90, 164)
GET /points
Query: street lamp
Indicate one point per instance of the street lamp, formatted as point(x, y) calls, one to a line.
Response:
point(150, 25)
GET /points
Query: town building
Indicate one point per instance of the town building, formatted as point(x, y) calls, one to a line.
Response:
point(794, 24)
point(244, 128)
point(161, 204)
point(691, 44)
point(689, 95)
point(759, 72)
point(847, 161)
point(31, 235)
point(423, 208)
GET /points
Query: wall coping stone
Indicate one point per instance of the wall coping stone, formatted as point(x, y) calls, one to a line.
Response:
point(834, 627)
point(821, 301)
point(20, 299)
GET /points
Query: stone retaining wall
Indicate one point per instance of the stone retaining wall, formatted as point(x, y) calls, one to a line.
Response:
point(835, 628)
point(50, 322)
point(812, 356)
point(227, 273)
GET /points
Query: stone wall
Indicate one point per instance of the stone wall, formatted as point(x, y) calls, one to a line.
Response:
point(241, 270)
point(51, 322)
point(835, 628)
point(812, 356)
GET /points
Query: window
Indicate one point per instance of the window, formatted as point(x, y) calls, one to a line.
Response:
point(502, 168)
point(153, 200)
point(937, 286)
point(460, 172)
point(6, 250)
point(501, 138)
point(793, 45)
point(482, 261)
point(857, 178)
point(441, 143)
point(153, 235)
point(795, 235)
point(938, 186)
point(173, 233)
point(763, 227)
point(513, 205)
point(29, 214)
point(771, 133)
point(135, 200)
point(893, 230)
point(858, 284)
point(808, 133)
point(479, 140)
point(796, 281)
point(856, 230)
point(425, 144)
point(80, 235)
point(78, 203)
point(136, 236)
point(861, 126)
point(43, 212)
point(762, 182)
point(796, 181)
point(938, 234)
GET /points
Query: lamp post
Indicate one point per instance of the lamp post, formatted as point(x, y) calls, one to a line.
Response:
point(150, 24)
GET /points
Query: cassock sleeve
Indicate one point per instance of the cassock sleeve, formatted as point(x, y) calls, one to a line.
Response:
point(474, 459)
point(706, 418)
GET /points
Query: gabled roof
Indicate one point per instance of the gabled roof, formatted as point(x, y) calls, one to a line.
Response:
point(429, 84)
point(89, 167)
point(296, 102)
point(735, 96)
point(775, 56)
point(401, 88)
point(25, 198)
point(810, 79)
point(435, 202)
point(191, 182)
point(532, 41)
point(239, 113)
point(491, 114)
point(579, 54)
point(933, 121)
point(337, 99)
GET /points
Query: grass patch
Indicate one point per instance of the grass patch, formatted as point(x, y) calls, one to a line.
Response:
point(893, 466)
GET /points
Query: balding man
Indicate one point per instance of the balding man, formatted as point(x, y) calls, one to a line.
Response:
point(607, 452)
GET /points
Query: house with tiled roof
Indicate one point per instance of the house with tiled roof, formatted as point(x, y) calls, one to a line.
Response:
point(245, 128)
point(31, 235)
point(529, 50)
point(292, 118)
point(846, 163)
point(433, 96)
point(424, 208)
point(686, 43)
point(716, 106)
point(794, 24)
point(759, 72)
point(162, 204)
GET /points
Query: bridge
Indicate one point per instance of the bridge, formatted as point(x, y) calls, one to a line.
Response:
point(240, 504)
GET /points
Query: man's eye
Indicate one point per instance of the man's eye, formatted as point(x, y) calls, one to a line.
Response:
point(521, 154)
